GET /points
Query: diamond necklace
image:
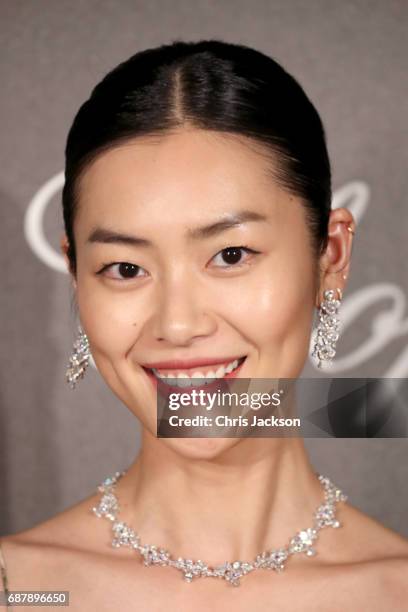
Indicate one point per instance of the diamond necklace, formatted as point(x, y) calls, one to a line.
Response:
point(324, 516)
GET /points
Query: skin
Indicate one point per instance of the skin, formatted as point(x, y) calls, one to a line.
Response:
point(229, 495)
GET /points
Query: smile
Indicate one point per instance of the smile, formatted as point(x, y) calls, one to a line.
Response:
point(196, 377)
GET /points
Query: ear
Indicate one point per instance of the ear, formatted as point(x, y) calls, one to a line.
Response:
point(64, 248)
point(335, 262)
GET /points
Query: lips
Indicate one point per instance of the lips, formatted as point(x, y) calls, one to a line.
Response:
point(165, 388)
point(186, 364)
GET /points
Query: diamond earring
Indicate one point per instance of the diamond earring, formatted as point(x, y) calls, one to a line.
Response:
point(79, 359)
point(327, 334)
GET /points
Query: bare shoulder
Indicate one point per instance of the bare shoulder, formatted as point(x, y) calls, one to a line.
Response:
point(37, 556)
point(383, 582)
point(60, 528)
point(373, 538)
point(374, 557)
point(390, 569)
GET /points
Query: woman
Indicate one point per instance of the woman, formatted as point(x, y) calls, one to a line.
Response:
point(200, 239)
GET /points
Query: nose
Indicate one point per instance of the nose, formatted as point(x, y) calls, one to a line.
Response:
point(180, 315)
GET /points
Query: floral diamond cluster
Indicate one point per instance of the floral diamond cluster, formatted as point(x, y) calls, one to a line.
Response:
point(302, 542)
point(153, 555)
point(124, 536)
point(108, 506)
point(232, 572)
point(272, 560)
point(192, 569)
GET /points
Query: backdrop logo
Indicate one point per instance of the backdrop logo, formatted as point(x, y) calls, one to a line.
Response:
point(34, 224)
point(386, 326)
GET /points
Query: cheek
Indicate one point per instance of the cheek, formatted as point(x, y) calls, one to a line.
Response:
point(277, 298)
point(286, 307)
point(113, 322)
point(274, 310)
point(112, 319)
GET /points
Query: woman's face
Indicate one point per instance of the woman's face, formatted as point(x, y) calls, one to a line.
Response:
point(170, 210)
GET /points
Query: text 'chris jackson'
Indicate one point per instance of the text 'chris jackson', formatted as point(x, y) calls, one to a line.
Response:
point(226, 421)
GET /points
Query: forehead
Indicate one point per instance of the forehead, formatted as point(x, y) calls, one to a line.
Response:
point(178, 176)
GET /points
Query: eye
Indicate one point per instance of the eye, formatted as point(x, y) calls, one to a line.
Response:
point(121, 271)
point(232, 256)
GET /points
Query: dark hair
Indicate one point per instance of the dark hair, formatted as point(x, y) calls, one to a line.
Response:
point(209, 85)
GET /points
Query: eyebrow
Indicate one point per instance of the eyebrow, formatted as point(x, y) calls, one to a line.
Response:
point(108, 236)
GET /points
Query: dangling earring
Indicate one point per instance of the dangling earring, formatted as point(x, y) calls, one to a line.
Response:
point(327, 330)
point(79, 360)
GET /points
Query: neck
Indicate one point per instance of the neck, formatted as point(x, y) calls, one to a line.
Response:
point(252, 497)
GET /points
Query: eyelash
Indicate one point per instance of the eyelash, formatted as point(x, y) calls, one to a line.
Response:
point(106, 267)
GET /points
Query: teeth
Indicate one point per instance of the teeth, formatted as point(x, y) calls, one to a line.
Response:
point(220, 372)
point(231, 366)
point(184, 380)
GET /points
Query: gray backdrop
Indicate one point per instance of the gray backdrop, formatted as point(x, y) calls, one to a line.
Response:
point(55, 444)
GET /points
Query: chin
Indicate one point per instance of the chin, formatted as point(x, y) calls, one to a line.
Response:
point(206, 449)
